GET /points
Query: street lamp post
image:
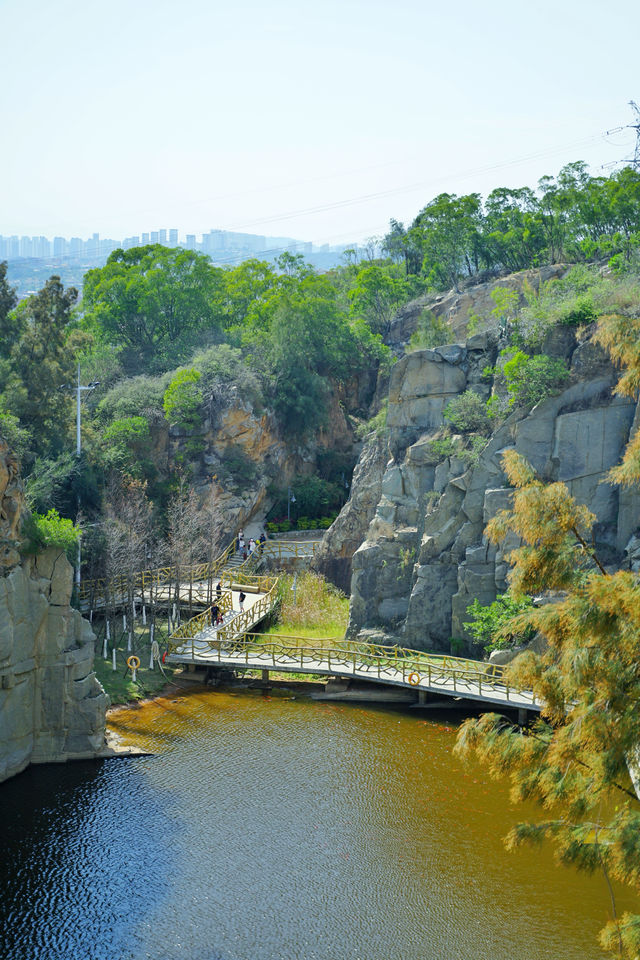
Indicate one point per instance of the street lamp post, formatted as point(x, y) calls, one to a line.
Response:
point(78, 388)
point(290, 499)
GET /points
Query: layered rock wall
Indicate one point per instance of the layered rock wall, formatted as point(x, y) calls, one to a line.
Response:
point(52, 707)
point(425, 556)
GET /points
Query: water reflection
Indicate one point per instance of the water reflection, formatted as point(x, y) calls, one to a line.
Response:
point(271, 829)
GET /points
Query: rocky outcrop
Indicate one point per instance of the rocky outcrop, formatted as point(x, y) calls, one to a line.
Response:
point(457, 307)
point(333, 559)
point(241, 450)
point(52, 707)
point(425, 556)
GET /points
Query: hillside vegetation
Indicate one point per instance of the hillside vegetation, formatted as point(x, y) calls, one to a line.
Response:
point(174, 341)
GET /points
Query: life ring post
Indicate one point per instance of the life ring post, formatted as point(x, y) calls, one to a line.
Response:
point(133, 663)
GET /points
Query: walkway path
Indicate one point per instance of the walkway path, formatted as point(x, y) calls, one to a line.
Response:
point(421, 672)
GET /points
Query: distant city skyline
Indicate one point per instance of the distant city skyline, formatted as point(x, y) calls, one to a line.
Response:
point(317, 120)
point(220, 245)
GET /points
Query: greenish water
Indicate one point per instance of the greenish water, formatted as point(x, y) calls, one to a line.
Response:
point(265, 828)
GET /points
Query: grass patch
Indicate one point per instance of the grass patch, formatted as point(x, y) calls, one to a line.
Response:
point(118, 683)
point(315, 609)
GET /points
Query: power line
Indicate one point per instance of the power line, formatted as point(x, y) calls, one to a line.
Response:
point(635, 160)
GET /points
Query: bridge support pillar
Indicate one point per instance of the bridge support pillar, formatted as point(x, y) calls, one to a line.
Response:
point(522, 718)
point(422, 696)
point(265, 676)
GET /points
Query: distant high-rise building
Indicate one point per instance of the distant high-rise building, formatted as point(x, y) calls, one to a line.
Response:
point(162, 237)
point(26, 247)
point(59, 246)
point(75, 246)
point(173, 238)
point(154, 236)
point(191, 241)
point(91, 248)
point(145, 239)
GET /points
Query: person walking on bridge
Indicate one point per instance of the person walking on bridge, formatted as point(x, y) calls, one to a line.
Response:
point(242, 597)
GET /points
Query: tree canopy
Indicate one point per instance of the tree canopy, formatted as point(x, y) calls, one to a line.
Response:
point(572, 218)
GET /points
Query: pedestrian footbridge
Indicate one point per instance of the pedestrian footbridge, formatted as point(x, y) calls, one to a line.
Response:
point(198, 642)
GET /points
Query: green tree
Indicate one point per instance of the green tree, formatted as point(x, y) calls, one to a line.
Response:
point(531, 379)
point(154, 302)
point(127, 448)
point(8, 301)
point(491, 625)
point(375, 296)
point(448, 233)
point(298, 339)
point(39, 363)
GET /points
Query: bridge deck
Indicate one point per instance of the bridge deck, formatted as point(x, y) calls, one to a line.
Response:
point(471, 680)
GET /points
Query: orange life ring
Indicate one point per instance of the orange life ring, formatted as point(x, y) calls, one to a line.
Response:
point(133, 662)
point(414, 679)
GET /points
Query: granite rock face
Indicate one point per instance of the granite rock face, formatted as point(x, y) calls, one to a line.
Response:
point(425, 556)
point(333, 559)
point(458, 306)
point(52, 707)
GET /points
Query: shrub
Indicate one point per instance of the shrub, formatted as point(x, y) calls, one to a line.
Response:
point(183, 398)
point(285, 526)
point(470, 454)
point(443, 447)
point(325, 523)
point(272, 527)
point(376, 425)
point(467, 413)
point(50, 530)
point(487, 623)
point(532, 379)
point(139, 396)
point(431, 331)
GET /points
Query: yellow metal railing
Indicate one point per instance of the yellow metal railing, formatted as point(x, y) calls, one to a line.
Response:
point(455, 675)
point(288, 549)
point(146, 583)
point(203, 620)
point(234, 629)
point(95, 593)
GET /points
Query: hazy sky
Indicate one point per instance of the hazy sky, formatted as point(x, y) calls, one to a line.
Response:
point(319, 121)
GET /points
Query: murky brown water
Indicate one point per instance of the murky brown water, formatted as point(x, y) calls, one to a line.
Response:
point(273, 829)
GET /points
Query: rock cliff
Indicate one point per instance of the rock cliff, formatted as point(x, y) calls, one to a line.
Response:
point(425, 555)
point(52, 707)
point(456, 307)
point(242, 450)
